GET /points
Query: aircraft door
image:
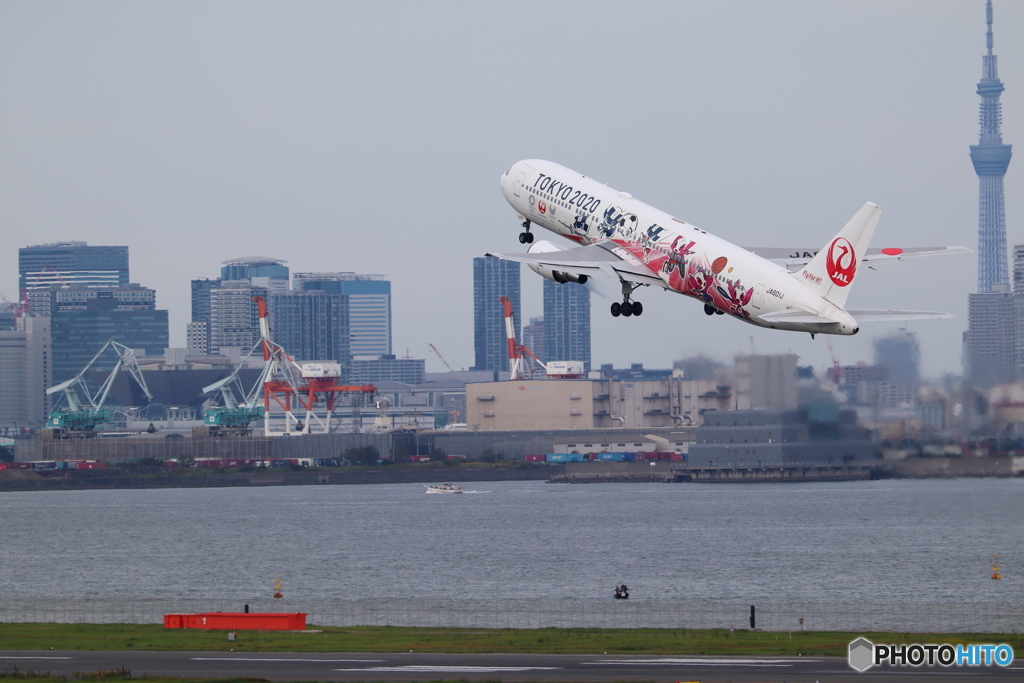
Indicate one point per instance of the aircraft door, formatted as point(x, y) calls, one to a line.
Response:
point(755, 301)
point(519, 183)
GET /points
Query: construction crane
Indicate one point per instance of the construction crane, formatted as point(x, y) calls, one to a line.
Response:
point(441, 356)
point(82, 410)
point(836, 371)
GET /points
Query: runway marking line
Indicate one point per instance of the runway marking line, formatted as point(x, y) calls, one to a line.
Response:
point(704, 662)
point(31, 657)
point(278, 659)
point(456, 669)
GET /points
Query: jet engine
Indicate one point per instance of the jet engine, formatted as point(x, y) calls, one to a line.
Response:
point(543, 246)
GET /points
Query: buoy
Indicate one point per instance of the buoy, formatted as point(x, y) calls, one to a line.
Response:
point(995, 567)
point(277, 586)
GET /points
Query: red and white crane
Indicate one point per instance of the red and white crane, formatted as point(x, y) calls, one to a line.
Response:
point(519, 367)
point(293, 386)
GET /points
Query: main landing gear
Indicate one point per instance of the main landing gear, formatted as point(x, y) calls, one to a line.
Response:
point(627, 307)
point(527, 236)
point(711, 310)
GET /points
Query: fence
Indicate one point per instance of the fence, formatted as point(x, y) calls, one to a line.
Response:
point(526, 614)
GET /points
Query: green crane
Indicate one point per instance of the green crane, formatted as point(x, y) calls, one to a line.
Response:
point(82, 411)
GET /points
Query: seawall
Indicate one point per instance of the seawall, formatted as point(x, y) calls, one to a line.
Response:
point(26, 480)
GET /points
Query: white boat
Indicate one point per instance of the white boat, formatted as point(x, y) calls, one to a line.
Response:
point(444, 488)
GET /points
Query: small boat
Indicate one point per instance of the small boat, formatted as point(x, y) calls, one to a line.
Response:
point(444, 488)
point(622, 592)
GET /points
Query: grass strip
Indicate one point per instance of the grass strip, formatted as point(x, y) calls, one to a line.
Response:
point(154, 637)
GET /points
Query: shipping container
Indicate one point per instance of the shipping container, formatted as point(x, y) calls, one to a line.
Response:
point(533, 458)
point(564, 457)
point(616, 457)
point(238, 621)
point(89, 465)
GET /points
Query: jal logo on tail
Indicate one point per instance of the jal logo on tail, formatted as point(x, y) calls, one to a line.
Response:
point(841, 261)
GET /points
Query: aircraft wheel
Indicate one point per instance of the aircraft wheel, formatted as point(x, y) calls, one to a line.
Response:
point(522, 237)
point(529, 238)
point(627, 308)
point(638, 308)
point(616, 309)
point(719, 312)
point(709, 309)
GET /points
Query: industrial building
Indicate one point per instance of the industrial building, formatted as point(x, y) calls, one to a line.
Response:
point(819, 434)
point(593, 404)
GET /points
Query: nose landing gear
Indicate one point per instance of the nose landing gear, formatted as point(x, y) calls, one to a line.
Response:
point(527, 236)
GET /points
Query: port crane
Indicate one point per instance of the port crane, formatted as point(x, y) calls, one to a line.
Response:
point(82, 410)
point(519, 367)
point(286, 385)
point(233, 416)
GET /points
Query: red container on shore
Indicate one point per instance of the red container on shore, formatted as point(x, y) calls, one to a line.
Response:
point(534, 458)
point(238, 621)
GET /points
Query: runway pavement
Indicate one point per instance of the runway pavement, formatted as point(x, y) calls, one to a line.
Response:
point(413, 666)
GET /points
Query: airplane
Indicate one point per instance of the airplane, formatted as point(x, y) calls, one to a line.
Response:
point(620, 237)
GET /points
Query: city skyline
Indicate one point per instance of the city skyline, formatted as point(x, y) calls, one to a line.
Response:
point(165, 152)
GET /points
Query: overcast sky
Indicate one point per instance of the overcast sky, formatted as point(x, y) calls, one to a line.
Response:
point(370, 137)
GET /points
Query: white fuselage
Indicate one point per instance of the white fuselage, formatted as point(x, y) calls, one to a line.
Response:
point(687, 259)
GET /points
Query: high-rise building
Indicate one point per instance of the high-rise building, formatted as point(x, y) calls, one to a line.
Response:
point(8, 316)
point(234, 317)
point(47, 301)
point(493, 277)
point(386, 368)
point(78, 333)
point(369, 307)
point(990, 158)
point(255, 269)
point(566, 322)
point(310, 325)
point(70, 263)
point(991, 337)
point(25, 372)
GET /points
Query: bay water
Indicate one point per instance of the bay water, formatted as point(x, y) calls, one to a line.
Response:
point(871, 541)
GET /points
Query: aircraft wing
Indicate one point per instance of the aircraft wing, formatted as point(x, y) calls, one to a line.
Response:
point(601, 257)
point(798, 258)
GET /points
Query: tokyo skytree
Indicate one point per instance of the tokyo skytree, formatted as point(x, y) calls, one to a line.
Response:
point(991, 157)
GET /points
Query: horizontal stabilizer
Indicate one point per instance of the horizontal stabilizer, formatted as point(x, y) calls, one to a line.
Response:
point(794, 315)
point(871, 315)
point(798, 258)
